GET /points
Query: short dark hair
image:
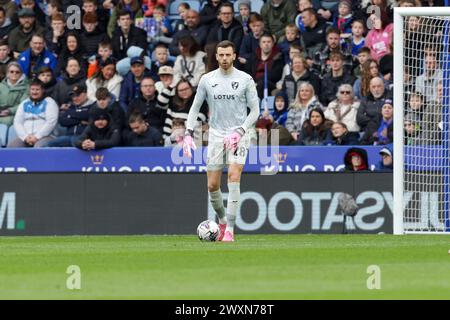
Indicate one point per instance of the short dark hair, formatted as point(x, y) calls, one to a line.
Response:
point(364, 49)
point(267, 35)
point(226, 44)
point(333, 30)
point(254, 17)
point(122, 13)
point(336, 54)
point(226, 4)
point(184, 5)
point(45, 69)
point(311, 11)
point(36, 82)
point(3, 10)
point(105, 43)
point(3, 42)
point(102, 93)
point(136, 117)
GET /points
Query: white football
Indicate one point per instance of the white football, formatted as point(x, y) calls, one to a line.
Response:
point(208, 231)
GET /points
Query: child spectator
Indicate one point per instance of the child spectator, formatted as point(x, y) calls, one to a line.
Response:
point(356, 41)
point(177, 135)
point(150, 5)
point(161, 54)
point(142, 134)
point(280, 109)
point(100, 133)
point(45, 74)
point(340, 136)
point(244, 15)
point(345, 18)
point(291, 36)
point(363, 56)
point(158, 27)
point(5, 57)
point(104, 52)
point(355, 159)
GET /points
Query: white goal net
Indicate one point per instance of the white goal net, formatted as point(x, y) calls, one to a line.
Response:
point(421, 115)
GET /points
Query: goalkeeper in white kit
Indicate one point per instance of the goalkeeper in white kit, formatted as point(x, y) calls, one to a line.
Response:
point(228, 92)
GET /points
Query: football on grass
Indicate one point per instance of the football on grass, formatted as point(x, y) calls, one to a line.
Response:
point(208, 231)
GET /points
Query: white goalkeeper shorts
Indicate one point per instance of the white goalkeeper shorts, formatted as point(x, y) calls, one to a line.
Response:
point(218, 157)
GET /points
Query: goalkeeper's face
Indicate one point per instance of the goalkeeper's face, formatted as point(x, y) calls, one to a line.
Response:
point(225, 57)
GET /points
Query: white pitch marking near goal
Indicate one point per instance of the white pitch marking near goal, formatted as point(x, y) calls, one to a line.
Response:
point(422, 156)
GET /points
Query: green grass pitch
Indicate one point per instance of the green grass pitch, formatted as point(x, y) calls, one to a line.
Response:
point(254, 267)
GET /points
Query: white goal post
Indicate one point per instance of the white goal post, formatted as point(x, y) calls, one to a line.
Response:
point(421, 120)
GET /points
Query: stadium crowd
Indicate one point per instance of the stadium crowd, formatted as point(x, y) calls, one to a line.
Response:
point(126, 74)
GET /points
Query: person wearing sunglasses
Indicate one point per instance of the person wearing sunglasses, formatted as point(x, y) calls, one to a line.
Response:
point(13, 90)
point(344, 108)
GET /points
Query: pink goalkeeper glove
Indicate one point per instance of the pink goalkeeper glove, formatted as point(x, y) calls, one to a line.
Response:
point(231, 141)
point(188, 143)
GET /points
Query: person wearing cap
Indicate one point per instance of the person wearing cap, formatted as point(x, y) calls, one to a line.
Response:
point(100, 133)
point(387, 159)
point(130, 88)
point(13, 90)
point(32, 4)
point(20, 37)
point(36, 119)
point(165, 73)
point(36, 57)
point(75, 118)
point(91, 35)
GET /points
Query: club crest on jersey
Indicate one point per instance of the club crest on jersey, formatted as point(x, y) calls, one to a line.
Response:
point(235, 85)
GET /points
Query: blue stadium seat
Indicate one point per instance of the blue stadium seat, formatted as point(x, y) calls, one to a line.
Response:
point(270, 103)
point(3, 134)
point(11, 134)
point(256, 6)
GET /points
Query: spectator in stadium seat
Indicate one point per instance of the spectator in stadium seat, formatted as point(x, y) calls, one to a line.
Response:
point(386, 164)
point(36, 57)
point(104, 52)
point(54, 7)
point(190, 63)
point(165, 73)
point(179, 104)
point(90, 7)
point(370, 108)
point(363, 56)
point(35, 119)
point(106, 77)
point(210, 11)
point(5, 57)
point(46, 75)
point(150, 5)
point(32, 5)
point(427, 82)
point(432, 119)
point(413, 131)
point(299, 74)
point(100, 133)
point(131, 6)
point(162, 58)
point(266, 127)
point(193, 28)
point(72, 75)
point(355, 160)
point(321, 63)
point(9, 8)
point(106, 101)
point(334, 78)
point(315, 129)
point(277, 14)
point(340, 136)
point(91, 35)
point(250, 42)
point(344, 108)
point(226, 28)
point(141, 133)
point(146, 104)
point(314, 36)
point(382, 131)
point(73, 48)
point(299, 110)
point(378, 39)
point(6, 24)
point(245, 9)
point(344, 18)
point(280, 109)
point(291, 37)
point(369, 70)
point(13, 90)
point(56, 35)
point(267, 54)
point(130, 87)
point(177, 135)
point(20, 37)
point(127, 35)
point(75, 118)
point(294, 49)
point(180, 24)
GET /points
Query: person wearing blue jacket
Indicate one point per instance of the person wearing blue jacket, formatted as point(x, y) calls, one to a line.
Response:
point(386, 163)
point(36, 57)
point(131, 85)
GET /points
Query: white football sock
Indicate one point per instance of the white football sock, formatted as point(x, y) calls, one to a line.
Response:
point(234, 194)
point(216, 200)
